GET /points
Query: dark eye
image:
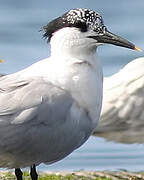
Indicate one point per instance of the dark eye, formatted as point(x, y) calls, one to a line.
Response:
point(81, 25)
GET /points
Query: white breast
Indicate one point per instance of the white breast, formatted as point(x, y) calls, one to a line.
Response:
point(85, 82)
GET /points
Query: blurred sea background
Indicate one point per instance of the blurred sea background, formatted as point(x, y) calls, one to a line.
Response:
point(21, 44)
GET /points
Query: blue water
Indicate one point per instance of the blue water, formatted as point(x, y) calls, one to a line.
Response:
point(21, 44)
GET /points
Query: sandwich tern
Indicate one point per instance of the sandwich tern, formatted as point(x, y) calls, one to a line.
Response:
point(52, 107)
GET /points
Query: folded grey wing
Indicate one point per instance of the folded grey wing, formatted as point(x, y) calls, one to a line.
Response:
point(21, 101)
point(122, 117)
point(33, 115)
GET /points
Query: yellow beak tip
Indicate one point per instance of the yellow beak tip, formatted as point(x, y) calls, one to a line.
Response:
point(138, 49)
point(1, 61)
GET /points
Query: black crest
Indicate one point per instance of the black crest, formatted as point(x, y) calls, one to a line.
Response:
point(79, 18)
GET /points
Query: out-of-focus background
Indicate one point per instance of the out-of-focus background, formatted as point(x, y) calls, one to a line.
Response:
point(21, 44)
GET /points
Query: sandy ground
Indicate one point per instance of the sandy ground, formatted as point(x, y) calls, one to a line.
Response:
point(79, 175)
point(114, 175)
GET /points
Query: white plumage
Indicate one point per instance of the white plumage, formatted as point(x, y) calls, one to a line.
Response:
point(122, 118)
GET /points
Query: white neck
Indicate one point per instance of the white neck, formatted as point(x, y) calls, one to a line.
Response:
point(84, 81)
point(69, 43)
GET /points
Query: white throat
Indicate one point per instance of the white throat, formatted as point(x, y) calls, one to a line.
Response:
point(70, 43)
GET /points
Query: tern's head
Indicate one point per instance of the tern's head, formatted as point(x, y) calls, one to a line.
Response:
point(81, 30)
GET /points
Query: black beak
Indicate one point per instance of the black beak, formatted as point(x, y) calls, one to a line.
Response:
point(110, 38)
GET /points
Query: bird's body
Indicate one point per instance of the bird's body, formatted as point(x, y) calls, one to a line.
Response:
point(48, 109)
point(51, 108)
point(122, 118)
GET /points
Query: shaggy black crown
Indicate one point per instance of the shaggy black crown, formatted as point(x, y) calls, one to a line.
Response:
point(78, 18)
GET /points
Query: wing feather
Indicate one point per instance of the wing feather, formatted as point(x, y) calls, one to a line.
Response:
point(21, 101)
